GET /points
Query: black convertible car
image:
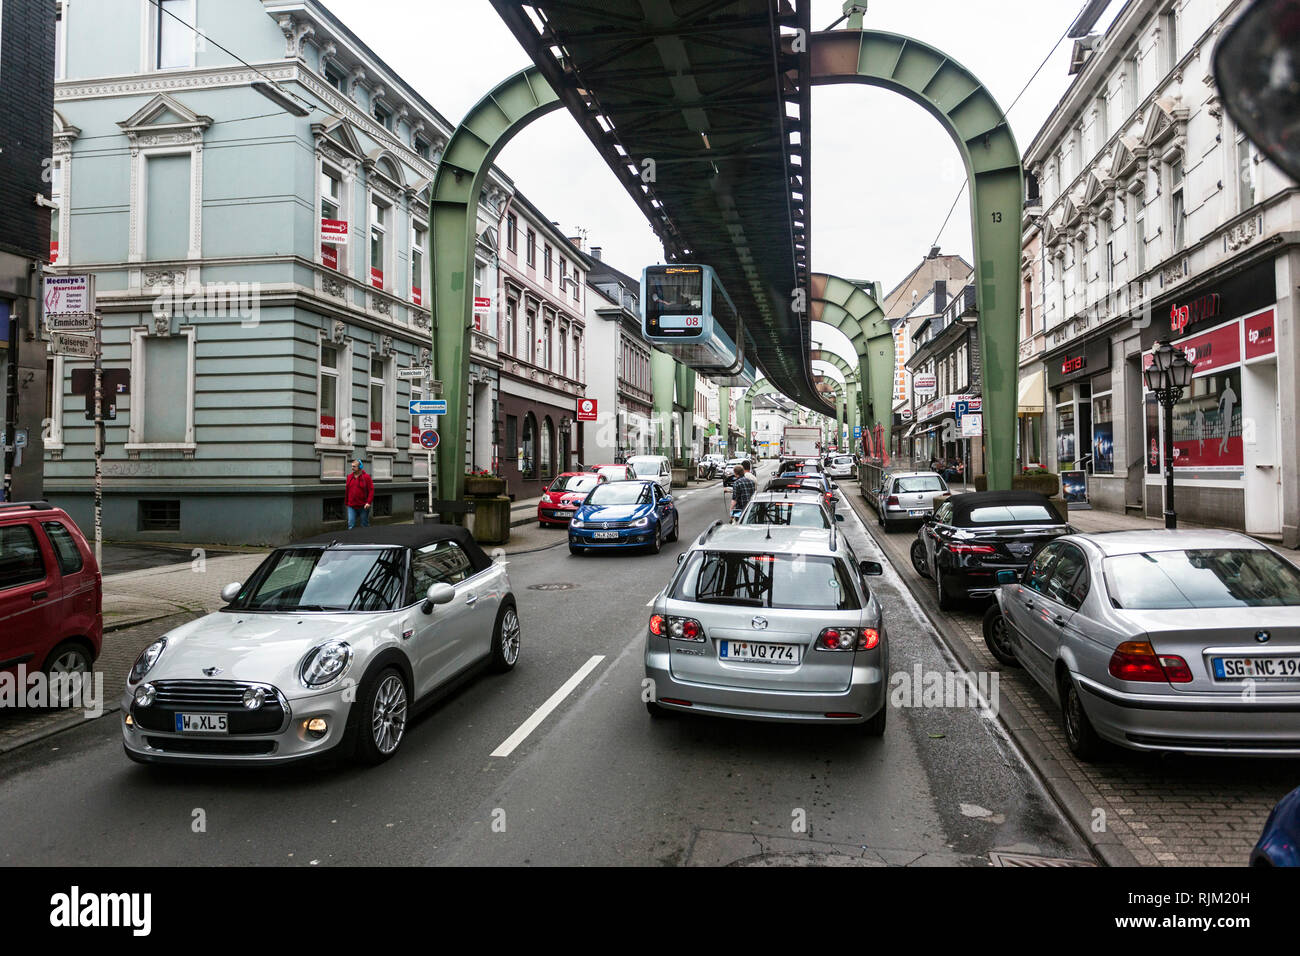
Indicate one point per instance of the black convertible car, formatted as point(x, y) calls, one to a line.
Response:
point(972, 537)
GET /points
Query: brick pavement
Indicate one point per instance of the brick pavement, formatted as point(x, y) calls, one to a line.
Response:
point(1161, 809)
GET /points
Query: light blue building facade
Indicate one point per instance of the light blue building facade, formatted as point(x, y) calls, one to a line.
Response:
point(264, 353)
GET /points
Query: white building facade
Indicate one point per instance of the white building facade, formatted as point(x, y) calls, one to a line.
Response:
point(1160, 221)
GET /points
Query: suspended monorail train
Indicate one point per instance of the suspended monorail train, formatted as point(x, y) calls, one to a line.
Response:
point(685, 311)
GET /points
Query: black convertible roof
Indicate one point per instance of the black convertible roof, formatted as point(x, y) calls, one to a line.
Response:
point(413, 536)
point(963, 505)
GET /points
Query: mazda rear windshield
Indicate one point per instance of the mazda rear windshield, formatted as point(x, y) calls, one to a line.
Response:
point(326, 579)
point(798, 582)
point(1227, 577)
point(798, 514)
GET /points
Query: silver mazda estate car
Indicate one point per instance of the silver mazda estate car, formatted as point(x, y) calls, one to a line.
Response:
point(329, 646)
point(771, 623)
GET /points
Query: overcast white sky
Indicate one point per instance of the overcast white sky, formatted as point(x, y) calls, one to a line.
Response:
point(883, 171)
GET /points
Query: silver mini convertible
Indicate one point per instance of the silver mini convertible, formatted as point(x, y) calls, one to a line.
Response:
point(1160, 640)
point(770, 623)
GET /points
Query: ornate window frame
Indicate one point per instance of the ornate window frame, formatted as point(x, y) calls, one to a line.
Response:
point(135, 442)
point(148, 139)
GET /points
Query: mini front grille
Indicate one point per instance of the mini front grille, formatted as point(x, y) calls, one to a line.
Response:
point(204, 693)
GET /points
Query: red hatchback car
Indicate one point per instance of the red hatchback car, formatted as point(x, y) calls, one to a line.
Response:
point(51, 595)
point(563, 497)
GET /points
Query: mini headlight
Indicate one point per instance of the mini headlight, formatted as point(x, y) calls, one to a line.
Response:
point(325, 663)
point(145, 694)
point(147, 659)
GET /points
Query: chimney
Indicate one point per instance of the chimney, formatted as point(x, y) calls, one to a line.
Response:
point(595, 252)
point(577, 242)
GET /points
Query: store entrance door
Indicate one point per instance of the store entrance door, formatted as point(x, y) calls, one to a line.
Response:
point(1263, 444)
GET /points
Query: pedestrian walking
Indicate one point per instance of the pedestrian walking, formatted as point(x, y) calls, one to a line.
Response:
point(742, 489)
point(359, 495)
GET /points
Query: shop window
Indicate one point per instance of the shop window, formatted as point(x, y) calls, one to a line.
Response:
point(546, 454)
point(512, 437)
point(528, 448)
point(1065, 447)
point(1103, 435)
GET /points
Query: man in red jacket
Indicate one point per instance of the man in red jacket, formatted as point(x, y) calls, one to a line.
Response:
point(360, 495)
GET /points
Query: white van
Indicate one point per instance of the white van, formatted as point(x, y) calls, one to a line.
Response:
point(655, 468)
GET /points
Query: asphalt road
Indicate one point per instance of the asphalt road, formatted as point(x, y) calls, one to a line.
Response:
point(595, 782)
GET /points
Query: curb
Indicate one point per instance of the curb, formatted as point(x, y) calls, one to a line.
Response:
point(1076, 808)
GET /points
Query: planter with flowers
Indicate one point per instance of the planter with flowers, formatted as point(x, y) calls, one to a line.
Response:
point(483, 484)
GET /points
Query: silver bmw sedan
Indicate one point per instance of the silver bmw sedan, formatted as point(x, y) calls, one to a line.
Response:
point(1160, 640)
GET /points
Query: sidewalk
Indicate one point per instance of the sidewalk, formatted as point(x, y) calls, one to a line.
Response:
point(1134, 808)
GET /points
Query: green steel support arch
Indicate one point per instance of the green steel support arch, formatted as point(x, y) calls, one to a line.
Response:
point(855, 311)
point(978, 127)
point(850, 384)
point(453, 224)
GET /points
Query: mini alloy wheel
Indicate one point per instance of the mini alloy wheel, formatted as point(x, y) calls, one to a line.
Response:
point(388, 716)
point(505, 643)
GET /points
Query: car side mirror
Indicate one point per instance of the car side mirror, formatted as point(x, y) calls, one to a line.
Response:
point(834, 487)
point(231, 591)
point(1008, 577)
point(681, 557)
point(440, 593)
point(870, 567)
point(839, 517)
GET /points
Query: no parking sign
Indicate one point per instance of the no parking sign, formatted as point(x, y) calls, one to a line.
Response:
point(429, 440)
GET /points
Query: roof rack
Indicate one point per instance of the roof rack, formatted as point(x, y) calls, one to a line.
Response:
point(33, 505)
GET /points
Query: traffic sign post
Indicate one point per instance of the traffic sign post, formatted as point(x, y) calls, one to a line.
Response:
point(429, 441)
point(77, 330)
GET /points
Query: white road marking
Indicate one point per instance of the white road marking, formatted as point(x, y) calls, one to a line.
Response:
point(541, 713)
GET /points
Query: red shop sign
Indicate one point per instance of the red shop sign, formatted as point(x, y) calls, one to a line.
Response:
point(1211, 350)
point(328, 427)
point(1259, 335)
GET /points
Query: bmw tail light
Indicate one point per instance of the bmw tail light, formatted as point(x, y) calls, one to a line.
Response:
point(1138, 661)
point(1176, 669)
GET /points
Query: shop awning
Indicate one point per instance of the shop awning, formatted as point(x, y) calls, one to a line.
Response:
point(1031, 393)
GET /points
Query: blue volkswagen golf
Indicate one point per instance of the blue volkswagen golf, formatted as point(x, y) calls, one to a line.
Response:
point(624, 514)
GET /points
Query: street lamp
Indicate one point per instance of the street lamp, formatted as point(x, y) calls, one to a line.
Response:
point(1168, 374)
